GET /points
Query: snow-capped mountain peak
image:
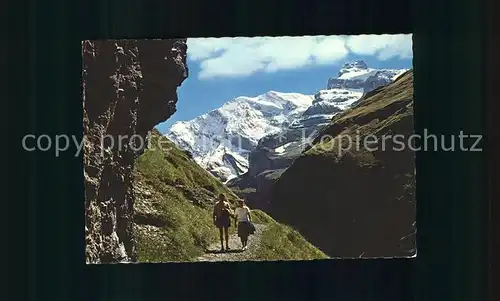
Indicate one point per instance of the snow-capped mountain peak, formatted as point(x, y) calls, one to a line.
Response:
point(229, 133)
point(353, 66)
point(273, 100)
point(356, 76)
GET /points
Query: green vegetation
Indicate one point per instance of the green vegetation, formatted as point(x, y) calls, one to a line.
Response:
point(280, 242)
point(169, 165)
point(173, 210)
point(385, 97)
point(260, 217)
point(174, 199)
point(376, 113)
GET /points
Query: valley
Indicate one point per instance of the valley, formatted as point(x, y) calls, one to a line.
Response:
point(154, 202)
point(284, 172)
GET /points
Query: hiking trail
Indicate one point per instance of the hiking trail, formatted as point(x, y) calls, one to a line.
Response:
point(235, 253)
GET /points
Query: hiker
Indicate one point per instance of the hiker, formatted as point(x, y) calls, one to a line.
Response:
point(244, 222)
point(222, 219)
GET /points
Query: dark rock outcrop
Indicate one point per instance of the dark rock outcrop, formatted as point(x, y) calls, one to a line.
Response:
point(356, 64)
point(356, 202)
point(129, 86)
point(376, 80)
point(336, 83)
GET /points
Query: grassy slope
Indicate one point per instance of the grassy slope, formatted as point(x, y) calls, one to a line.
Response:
point(374, 114)
point(281, 242)
point(174, 199)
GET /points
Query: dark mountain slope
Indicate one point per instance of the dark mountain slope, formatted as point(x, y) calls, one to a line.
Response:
point(356, 202)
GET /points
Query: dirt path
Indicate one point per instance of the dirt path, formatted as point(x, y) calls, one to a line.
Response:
point(235, 253)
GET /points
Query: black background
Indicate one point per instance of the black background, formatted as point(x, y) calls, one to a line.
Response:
point(45, 199)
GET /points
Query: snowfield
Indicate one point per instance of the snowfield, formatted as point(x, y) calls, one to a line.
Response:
point(233, 130)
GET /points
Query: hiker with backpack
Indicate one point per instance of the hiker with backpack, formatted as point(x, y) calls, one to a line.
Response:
point(244, 223)
point(222, 219)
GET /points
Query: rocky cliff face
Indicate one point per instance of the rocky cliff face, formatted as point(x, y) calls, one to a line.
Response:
point(359, 200)
point(129, 86)
point(356, 75)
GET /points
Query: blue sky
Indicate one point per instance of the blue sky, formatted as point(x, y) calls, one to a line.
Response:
point(221, 69)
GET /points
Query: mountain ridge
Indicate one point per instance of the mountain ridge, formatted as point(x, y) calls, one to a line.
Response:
point(276, 151)
point(236, 127)
point(272, 114)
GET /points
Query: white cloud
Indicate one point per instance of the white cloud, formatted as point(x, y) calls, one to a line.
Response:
point(383, 46)
point(231, 57)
